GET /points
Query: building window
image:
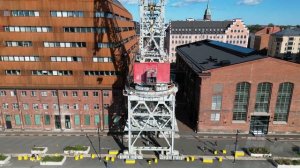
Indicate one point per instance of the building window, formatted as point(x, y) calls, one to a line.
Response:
point(66, 106)
point(54, 93)
point(5, 106)
point(97, 119)
point(263, 96)
point(99, 30)
point(106, 45)
point(65, 44)
point(215, 116)
point(2, 93)
point(44, 93)
point(216, 102)
point(23, 93)
point(85, 93)
point(95, 94)
point(241, 101)
point(45, 106)
point(25, 106)
point(96, 107)
point(18, 119)
point(20, 58)
point(25, 13)
point(101, 73)
point(27, 29)
point(106, 106)
point(15, 106)
point(87, 119)
point(105, 93)
point(33, 93)
point(47, 119)
point(76, 106)
point(27, 119)
point(18, 43)
point(37, 119)
point(66, 13)
point(55, 106)
point(51, 73)
point(102, 59)
point(283, 101)
point(13, 93)
point(65, 93)
point(74, 93)
point(13, 72)
point(35, 106)
point(77, 119)
point(85, 107)
point(66, 59)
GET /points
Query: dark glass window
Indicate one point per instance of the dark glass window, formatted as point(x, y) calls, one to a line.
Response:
point(263, 96)
point(283, 103)
point(241, 101)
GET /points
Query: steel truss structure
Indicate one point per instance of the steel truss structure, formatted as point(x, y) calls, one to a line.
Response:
point(151, 103)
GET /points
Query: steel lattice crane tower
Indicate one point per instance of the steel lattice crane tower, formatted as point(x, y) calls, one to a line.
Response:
point(151, 93)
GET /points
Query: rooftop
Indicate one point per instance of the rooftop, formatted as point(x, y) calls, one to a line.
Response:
point(207, 54)
point(196, 27)
point(289, 32)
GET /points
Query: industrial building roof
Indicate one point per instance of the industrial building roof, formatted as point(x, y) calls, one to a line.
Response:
point(196, 27)
point(288, 32)
point(208, 54)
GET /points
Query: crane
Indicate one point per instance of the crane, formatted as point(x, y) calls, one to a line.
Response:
point(151, 93)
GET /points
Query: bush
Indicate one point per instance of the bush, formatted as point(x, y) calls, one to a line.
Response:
point(259, 150)
point(287, 162)
point(76, 148)
point(2, 157)
point(52, 158)
point(38, 148)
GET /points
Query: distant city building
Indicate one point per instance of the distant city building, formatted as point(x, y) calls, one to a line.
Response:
point(63, 64)
point(183, 32)
point(262, 38)
point(225, 87)
point(285, 44)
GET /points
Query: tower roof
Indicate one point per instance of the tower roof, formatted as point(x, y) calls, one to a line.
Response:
point(207, 14)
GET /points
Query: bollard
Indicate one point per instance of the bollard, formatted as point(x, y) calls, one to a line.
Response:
point(112, 159)
point(81, 156)
point(32, 159)
point(155, 160)
point(239, 154)
point(224, 151)
point(113, 152)
point(187, 159)
point(210, 161)
point(38, 158)
point(220, 159)
point(20, 157)
point(25, 157)
point(192, 158)
point(93, 156)
point(106, 158)
point(76, 157)
point(129, 161)
point(149, 162)
point(215, 152)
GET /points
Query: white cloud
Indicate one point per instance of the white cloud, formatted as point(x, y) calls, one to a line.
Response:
point(131, 2)
point(186, 2)
point(249, 2)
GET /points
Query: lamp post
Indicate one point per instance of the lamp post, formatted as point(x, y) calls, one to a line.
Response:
point(236, 143)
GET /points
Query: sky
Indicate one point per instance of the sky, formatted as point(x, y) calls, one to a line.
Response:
point(278, 12)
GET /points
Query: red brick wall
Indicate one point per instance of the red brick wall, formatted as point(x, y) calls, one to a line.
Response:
point(265, 70)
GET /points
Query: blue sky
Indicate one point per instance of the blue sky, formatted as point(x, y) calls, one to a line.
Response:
point(279, 12)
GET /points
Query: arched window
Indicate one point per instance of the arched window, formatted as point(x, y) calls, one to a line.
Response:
point(263, 95)
point(283, 103)
point(241, 100)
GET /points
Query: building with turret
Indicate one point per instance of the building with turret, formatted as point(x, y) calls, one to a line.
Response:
point(183, 32)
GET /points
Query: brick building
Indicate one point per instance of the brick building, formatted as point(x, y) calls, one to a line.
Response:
point(262, 38)
point(63, 63)
point(223, 88)
point(183, 32)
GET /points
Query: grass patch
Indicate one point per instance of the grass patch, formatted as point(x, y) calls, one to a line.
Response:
point(259, 150)
point(287, 162)
point(52, 158)
point(38, 148)
point(2, 157)
point(76, 148)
